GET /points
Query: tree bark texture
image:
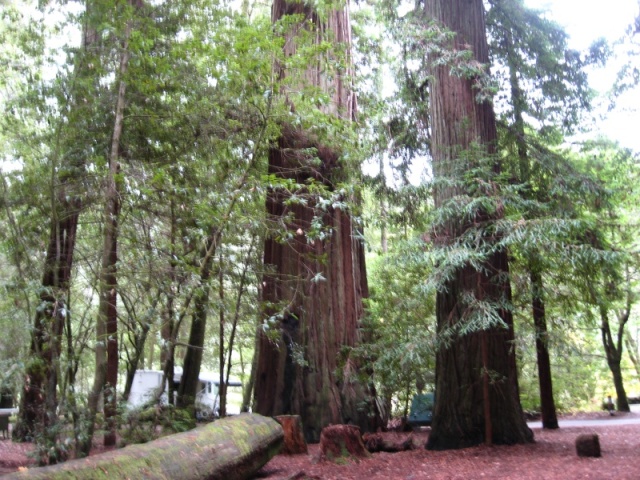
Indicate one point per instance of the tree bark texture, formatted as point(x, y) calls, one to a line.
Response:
point(229, 449)
point(106, 352)
point(322, 317)
point(613, 350)
point(38, 407)
point(547, 403)
point(193, 357)
point(340, 441)
point(306, 371)
point(294, 442)
point(458, 122)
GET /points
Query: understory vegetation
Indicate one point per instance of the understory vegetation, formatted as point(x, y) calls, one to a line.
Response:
point(140, 199)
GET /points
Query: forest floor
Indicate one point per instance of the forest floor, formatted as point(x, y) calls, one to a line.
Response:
point(552, 456)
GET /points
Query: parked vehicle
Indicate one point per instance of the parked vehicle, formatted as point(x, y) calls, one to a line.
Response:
point(147, 382)
point(421, 413)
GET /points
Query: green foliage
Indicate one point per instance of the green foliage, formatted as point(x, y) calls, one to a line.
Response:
point(205, 103)
point(552, 80)
point(400, 320)
point(150, 423)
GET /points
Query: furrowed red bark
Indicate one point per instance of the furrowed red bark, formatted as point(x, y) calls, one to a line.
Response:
point(459, 121)
point(315, 287)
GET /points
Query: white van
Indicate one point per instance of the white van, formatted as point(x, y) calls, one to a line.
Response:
point(146, 382)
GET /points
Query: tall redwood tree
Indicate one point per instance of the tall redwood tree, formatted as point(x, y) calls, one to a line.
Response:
point(313, 288)
point(477, 396)
point(38, 414)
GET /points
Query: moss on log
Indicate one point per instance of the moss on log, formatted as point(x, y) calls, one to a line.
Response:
point(231, 448)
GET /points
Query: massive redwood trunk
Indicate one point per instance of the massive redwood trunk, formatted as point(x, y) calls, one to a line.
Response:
point(477, 396)
point(313, 287)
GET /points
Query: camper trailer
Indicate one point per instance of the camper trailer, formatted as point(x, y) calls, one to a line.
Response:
point(147, 382)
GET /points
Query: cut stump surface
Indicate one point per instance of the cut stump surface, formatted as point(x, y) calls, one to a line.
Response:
point(294, 442)
point(341, 441)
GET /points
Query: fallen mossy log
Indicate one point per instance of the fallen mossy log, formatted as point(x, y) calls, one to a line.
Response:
point(231, 448)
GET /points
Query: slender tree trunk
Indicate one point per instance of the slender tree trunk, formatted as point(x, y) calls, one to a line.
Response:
point(613, 350)
point(193, 356)
point(222, 386)
point(106, 374)
point(458, 122)
point(247, 395)
point(111, 378)
point(38, 408)
point(547, 403)
point(632, 349)
point(224, 379)
point(168, 325)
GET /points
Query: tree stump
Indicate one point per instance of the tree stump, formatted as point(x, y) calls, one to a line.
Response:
point(588, 445)
point(340, 441)
point(294, 442)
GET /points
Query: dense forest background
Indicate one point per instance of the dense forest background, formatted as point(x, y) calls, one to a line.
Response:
point(139, 200)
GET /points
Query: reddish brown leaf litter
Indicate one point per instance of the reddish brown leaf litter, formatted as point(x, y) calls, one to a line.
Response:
point(552, 456)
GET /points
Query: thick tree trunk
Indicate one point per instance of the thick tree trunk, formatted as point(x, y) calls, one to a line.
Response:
point(229, 449)
point(304, 373)
point(458, 121)
point(622, 401)
point(313, 289)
